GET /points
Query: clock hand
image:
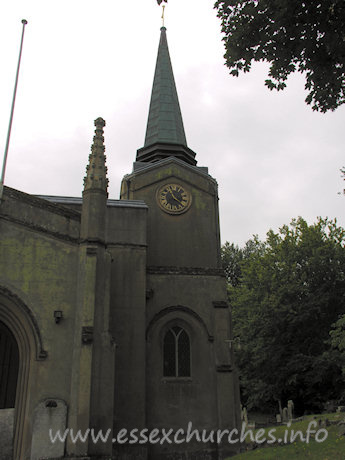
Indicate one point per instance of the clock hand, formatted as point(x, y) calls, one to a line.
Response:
point(176, 199)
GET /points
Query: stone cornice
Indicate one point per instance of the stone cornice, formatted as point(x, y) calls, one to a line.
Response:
point(220, 304)
point(120, 244)
point(198, 271)
point(224, 368)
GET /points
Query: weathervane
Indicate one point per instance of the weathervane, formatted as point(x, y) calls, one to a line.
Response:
point(163, 15)
point(163, 6)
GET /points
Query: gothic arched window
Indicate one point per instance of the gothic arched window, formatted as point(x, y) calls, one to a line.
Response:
point(176, 353)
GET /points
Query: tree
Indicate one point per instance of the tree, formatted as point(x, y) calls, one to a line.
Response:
point(338, 338)
point(289, 293)
point(233, 256)
point(291, 35)
point(338, 343)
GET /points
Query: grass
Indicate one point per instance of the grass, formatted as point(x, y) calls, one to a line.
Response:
point(333, 448)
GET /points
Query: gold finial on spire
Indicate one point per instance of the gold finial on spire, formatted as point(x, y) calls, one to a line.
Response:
point(163, 6)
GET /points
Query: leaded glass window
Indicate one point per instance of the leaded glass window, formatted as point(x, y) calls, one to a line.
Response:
point(176, 353)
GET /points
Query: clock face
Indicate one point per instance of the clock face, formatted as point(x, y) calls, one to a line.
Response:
point(174, 198)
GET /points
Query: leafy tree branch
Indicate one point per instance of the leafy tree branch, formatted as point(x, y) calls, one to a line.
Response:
point(291, 35)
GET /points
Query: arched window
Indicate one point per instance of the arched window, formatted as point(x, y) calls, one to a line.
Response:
point(9, 363)
point(176, 353)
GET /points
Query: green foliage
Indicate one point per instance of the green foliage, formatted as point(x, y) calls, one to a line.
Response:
point(292, 35)
point(289, 292)
point(338, 342)
point(338, 334)
point(233, 256)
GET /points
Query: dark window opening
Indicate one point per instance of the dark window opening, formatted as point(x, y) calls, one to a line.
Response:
point(176, 353)
point(9, 365)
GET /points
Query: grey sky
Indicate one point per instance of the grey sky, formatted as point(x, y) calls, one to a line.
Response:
point(273, 158)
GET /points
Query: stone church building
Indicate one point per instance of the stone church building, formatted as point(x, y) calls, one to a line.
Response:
point(114, 313)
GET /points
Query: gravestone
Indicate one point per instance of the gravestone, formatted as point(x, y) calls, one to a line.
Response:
point(285, 415)
point(50, 414)
point(244, 416)
point(280, 409)
point(290, 409)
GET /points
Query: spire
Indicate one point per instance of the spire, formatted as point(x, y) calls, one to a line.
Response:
point(165, 120)
point(96, 171)
point(165, 135)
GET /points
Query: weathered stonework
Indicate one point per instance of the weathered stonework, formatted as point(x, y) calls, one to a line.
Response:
point(122, 275)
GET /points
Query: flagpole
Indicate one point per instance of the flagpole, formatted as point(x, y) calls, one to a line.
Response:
point(24, 22)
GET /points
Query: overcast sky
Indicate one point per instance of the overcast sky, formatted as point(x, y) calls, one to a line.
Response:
point(273, 157)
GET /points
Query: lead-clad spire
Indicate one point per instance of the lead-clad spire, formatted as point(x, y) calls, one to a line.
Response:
point(96, 171)
point(165, 135)
point(165, 120)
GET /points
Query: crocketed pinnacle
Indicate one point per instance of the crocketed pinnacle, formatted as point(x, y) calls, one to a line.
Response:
point(165, 119)
point(96, 171)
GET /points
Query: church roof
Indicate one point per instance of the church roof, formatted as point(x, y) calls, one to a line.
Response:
point(165, 135)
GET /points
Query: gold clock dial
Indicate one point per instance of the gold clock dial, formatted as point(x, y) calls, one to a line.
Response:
point(174, 198)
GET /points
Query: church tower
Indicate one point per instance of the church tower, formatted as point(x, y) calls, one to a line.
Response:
point(113, 313)
point(189, 372)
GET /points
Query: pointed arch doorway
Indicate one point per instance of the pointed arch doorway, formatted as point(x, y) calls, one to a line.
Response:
point(25, 342)
point(9, 365)
point(9, 368)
